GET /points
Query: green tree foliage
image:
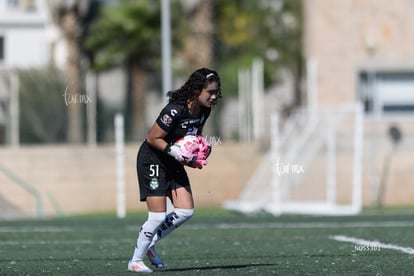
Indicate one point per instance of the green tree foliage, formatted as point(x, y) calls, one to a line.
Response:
point(128, 30)
point(268, 29)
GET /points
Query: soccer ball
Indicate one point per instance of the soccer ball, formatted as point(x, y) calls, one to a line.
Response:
point(188, 144)
point(194, 150)
point(194, 144)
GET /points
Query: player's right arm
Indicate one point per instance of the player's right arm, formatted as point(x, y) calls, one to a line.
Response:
point(165, 123)
point(161, 127)
point(156, 138)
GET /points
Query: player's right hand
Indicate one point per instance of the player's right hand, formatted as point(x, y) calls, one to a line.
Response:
point(178, 153)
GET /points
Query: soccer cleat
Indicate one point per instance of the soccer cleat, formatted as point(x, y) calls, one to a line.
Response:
point(138, 266)
point(154, 258)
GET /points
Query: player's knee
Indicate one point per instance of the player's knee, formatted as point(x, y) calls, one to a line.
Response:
point(156, 217)
point(187, 213)
point(184, 214)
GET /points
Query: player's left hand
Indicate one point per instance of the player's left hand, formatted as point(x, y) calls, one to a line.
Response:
point(204, 148)
point(195, 161)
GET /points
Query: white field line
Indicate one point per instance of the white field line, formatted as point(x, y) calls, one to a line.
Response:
point(375, 244)
point(35, 229)
point(303, 225)
point(320, 225)
point(56, 242)
point(271, 225)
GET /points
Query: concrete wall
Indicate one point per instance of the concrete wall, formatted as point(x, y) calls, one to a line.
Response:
point(81, 179)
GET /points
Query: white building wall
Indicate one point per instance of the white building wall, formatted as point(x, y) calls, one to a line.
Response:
point(26, 42)
point(26, 48)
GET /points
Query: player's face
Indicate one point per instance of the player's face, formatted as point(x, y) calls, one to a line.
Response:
point(208, 96)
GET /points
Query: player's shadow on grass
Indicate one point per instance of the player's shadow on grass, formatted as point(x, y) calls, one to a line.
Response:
point(224, 267)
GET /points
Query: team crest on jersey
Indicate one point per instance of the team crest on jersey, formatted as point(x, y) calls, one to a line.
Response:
point(166, 120)
point(154, 184)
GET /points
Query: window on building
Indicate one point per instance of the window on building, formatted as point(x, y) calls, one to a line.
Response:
point(26, 5)
point(387, 93)
point(12, 3)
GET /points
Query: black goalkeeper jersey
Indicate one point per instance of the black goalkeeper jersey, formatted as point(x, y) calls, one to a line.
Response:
point(177, 121)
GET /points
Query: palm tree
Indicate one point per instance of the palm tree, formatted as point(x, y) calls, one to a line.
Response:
point(67, 15)
point(198, 46)
point(128, 33)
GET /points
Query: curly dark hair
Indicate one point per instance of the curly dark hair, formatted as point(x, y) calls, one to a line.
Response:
point(197, 81)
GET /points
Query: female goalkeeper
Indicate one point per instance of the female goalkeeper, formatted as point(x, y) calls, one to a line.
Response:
point(160, 164)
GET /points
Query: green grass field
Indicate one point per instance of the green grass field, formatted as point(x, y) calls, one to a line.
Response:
point(215, 242)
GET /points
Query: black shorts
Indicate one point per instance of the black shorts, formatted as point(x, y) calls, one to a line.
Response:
point(158, 173)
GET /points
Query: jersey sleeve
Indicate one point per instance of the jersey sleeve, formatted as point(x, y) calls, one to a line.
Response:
point(168, 117)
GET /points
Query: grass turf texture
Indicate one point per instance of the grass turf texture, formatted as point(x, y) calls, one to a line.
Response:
point(213, 242)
